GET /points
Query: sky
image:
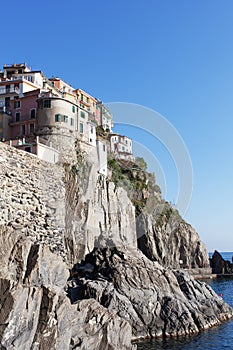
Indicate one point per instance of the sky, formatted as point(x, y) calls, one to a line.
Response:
point(172, 56)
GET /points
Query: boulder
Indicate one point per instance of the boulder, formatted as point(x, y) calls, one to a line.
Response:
point(156, 301)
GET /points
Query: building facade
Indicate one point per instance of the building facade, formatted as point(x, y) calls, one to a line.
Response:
point(121, 147)
point(24, 114)
point(32, 106)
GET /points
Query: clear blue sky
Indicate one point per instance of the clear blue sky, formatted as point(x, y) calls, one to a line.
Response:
point(174, 56)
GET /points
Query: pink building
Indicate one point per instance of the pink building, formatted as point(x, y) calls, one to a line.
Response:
point(24, 113)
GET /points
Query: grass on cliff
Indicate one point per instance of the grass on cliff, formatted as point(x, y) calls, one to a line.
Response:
point(142, 189)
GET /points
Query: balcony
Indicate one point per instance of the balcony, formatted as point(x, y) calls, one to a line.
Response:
point(85, 103)
point(23, 119)
point(9, 90)
point(92, 119)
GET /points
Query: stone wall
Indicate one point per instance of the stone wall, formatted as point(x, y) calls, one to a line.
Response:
point(32, 197)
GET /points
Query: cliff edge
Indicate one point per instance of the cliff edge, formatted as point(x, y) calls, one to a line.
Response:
point(72, 275)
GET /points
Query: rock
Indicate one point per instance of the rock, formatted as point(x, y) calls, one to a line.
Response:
point(219, 265)
point(171, 241)
point(51, 218)
point(154, 300)
point(36, 313)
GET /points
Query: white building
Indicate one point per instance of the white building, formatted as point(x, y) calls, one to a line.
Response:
point(102, 156)
point(91, 127)
point(122, 147)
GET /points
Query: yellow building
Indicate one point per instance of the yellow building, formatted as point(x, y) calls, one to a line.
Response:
point(86, 101)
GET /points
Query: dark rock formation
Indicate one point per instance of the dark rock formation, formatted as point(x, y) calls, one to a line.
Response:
point(36, 313)
point(154, 300)
point(219, 265)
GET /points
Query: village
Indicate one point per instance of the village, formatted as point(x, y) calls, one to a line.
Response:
point(39, 114)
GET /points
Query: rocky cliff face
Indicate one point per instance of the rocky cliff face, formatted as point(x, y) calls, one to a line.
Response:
point(171, 241)
point(51, 217)
point(163, 236)
point(38, 213)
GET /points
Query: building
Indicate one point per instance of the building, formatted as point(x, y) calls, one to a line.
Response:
point(15, 81)
point(23, 114)
point(104, 116)
point(37, 147)
point(33, 106)
point(102, 157)
point(121, 147)
point(65, 90)
point(86, 101)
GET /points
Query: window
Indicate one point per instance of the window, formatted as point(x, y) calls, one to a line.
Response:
point(104, 148)
point(71, 121)
point(92, 129)
point(81, 97)
point(73, 109)
point(87, 98)
point(7, 101)
point(66, 118)
point(81, 128)
point(57, 117)
point(28, 149)
point(17, 116)
point(33, 113)
point(23, 129)
point(31, 127)
point(17, 104)
point(82, 114)
point(47, 103)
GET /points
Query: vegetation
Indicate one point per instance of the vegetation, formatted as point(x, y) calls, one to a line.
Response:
point(100, 131)
point(117, 174)
point(132, 178)
point(141, 163)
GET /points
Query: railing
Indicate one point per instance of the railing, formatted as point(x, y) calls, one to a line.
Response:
point(25, 118)
point(9, 91)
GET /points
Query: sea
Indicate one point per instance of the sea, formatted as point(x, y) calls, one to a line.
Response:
point(217, 338)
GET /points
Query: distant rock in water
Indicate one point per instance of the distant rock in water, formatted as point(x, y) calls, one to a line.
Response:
point(219, 265)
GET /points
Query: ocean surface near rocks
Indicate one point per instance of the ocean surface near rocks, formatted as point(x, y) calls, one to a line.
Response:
point(217, 338)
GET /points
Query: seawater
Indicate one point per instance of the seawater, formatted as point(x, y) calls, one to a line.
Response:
point(217, 338)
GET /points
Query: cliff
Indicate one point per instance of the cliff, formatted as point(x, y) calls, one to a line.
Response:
point(71, 273)
point(162, 234)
